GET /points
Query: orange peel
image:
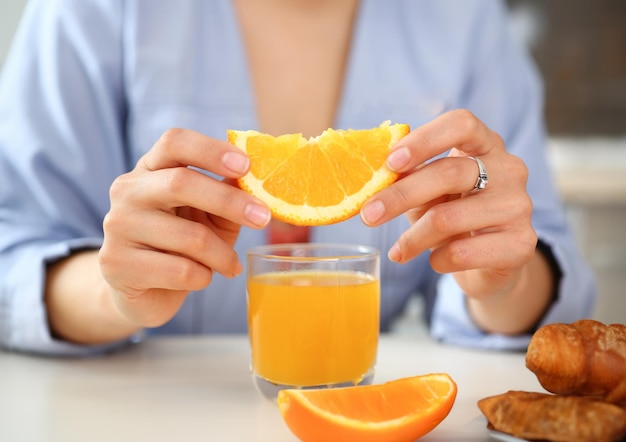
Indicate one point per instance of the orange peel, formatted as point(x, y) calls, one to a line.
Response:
point(320, 180)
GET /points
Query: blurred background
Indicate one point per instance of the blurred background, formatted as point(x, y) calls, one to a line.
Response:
point(580, 48)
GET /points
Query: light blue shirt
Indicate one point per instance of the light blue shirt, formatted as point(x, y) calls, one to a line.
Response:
point(90, 85)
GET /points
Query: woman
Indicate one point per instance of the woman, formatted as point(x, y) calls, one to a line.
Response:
point(105, 230)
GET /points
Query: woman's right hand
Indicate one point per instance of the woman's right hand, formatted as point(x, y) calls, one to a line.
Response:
point(170, 226)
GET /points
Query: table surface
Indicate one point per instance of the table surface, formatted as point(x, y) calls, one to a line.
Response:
point(199, 389)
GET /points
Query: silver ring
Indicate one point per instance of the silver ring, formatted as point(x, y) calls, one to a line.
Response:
point(482, 180)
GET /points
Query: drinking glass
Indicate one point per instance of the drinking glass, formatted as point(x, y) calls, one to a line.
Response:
point(313, 315)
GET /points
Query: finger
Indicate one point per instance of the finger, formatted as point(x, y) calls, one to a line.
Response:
point(181, 147)
point(459, 128)
point(137, 270)
point(442, 177)
point(152, 308)
point(168, 189)
point(151, 296)
point(193, 240)
point(486, 251)
point(445, 222)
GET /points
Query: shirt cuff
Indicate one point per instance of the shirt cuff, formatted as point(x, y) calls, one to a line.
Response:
point(23, 315)
point(576, 291)
point(452, 324)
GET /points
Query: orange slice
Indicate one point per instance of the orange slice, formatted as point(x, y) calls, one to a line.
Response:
point(400, 410)
point(322, 180)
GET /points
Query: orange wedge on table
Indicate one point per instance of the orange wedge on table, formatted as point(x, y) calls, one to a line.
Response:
point(320, 180)
point(400, 410)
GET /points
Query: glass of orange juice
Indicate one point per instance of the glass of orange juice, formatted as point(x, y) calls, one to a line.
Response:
point(313, 315)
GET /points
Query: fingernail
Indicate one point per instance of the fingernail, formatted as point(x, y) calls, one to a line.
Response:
point(237, 162)
point(372, 212)
point(238, 269)
point(398, 158)
point(257, 215)
point(394, 253)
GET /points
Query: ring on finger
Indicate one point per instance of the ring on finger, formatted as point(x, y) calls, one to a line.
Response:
point(483, 179)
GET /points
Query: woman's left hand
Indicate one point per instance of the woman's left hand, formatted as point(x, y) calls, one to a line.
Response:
point(483, 236)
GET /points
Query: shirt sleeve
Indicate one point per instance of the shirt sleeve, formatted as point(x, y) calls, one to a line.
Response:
point(61, 145)
point(504, 90)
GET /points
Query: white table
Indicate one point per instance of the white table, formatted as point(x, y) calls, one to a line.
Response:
point(199, 389)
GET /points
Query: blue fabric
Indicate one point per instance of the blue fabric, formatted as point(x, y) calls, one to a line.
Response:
point(90, 85)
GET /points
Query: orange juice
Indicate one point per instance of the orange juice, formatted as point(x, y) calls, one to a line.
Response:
point(310, 328)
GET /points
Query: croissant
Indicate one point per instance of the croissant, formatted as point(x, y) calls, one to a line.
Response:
point(543, 416)
point(585, 358)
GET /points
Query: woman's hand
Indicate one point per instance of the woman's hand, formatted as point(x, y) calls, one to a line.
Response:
point(484, 237)
point(170, 226)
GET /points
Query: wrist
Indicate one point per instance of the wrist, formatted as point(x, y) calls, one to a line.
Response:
point(79, 302)
point(520, 309)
